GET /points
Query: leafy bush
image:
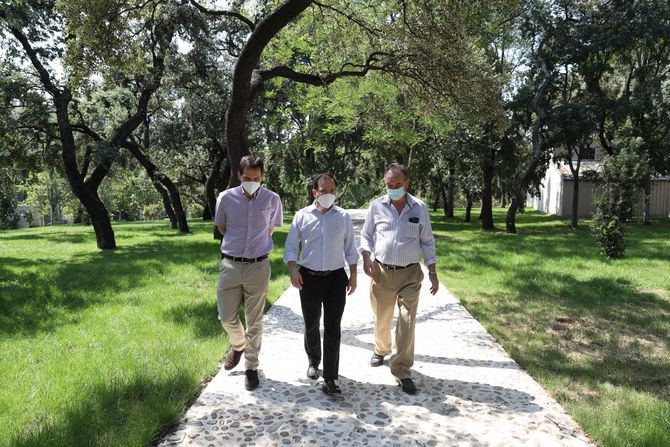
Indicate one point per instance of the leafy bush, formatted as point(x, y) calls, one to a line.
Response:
point(617, 192)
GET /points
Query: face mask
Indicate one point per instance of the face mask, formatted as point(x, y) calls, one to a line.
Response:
point(395, 194)
point(326, 200)
point(251, 187)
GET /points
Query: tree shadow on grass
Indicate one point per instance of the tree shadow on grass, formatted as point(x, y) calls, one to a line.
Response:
point(133, 411)
point(598, 330)
point(40, 295)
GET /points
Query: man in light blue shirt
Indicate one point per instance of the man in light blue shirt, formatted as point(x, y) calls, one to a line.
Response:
point(321, 240)
point(397, 230)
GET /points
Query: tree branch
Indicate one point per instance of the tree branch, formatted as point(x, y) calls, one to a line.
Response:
point(283, 71)
point(232, 14)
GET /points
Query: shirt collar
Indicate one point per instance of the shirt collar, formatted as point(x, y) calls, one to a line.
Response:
point(313, 209)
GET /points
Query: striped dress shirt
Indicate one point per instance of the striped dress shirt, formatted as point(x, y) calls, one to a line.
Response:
point(398, 239)
point(324, 241)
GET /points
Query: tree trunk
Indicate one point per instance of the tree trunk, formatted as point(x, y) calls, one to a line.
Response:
point(449, 203)
point(647, 201)
point(487, 192)
point(244, 86)
point(173, 192)
point(468, 210)
point(510, 220)
point(102, 225)
point(575, 203)
point(166, 202)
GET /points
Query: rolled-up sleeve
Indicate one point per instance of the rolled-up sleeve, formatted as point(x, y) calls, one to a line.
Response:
point(427, 238)
point(367, 233)
point(293, 241)
point(220, 213)
point(350, 252)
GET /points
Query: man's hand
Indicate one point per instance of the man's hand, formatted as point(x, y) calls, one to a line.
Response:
point(434, 284)
point(369, 267)
point(296, 277)
point(351, 285)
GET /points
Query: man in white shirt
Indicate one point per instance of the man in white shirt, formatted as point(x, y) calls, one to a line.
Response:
point(397, 230)
point(321, 240)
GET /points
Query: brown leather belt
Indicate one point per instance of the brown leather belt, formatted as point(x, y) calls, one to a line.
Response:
point(397, 267)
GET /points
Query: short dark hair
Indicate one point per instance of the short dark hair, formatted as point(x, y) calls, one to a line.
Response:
point(397, 166)
point(317, 177)
point(251, 161)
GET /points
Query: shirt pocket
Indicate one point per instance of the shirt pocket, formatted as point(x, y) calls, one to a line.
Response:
point(410, 230)
point(260, 218)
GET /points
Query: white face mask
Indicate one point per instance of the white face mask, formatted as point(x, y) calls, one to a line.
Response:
point(251, 187)
point(326, 200)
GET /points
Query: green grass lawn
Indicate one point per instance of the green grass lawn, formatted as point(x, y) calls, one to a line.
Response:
point(594, 332)
point(107, 348)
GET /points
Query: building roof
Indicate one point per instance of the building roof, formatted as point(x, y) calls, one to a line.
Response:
point(586, 166)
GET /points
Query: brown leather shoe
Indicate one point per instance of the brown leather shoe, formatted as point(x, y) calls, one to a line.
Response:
point(233, 359)
point(250, 379)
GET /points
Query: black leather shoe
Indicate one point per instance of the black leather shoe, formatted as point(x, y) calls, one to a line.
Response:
point(312, 372)
point(407, 385)
point(376, 360)
point(233, 359)
point(251, 379)
point(330, 387)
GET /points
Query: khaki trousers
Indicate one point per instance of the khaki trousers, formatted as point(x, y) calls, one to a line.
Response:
point(243, 283)
point(391, 287)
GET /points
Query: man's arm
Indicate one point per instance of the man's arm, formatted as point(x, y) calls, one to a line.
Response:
point(367, 242)
point(350, 254)
point(220, 215)
point(427, 241)
point(291, 250)
point(277, 217)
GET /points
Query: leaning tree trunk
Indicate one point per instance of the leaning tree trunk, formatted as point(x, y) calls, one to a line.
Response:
point(166, 202)
point(487, 192)
point(154, 173)
point(175, 199)
point(244, 86)
point(647, 201)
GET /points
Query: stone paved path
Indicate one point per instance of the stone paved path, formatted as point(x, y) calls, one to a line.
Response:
point(471, 393)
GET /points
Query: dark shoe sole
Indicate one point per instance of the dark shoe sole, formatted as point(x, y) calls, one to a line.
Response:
point(410, 392)
point(325, 389)
point(227, 366)
point(376, 364)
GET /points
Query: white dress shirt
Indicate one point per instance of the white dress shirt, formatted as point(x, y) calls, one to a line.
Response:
point(325, 241)
point(398, 239)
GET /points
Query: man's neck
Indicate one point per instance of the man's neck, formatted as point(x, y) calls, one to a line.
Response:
point(322, 209)
point(400, 204)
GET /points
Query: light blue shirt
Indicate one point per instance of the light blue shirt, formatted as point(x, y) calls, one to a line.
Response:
point(324, 241)
point(398, 239)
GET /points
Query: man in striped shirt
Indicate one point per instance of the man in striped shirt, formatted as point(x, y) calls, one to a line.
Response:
point(321, 240)
point(397, 231)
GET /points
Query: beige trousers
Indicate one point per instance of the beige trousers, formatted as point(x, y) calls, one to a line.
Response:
point(243, 283)
point(391, 288)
